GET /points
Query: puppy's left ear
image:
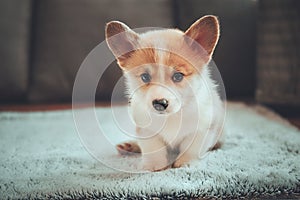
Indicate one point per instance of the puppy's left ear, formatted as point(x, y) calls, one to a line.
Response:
point(121, 40)
point(205, 31)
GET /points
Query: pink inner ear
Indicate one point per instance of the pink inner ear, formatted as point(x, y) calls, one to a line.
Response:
point(205, 32)
point(120, 45)
point(120, 39)
point(114, 28)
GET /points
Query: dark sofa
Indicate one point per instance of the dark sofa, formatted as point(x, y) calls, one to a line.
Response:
point(45, 41)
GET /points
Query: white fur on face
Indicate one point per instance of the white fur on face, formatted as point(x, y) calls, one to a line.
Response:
point(161, 91)
point(160, 87)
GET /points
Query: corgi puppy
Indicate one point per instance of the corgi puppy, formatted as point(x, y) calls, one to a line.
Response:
point(174, 103)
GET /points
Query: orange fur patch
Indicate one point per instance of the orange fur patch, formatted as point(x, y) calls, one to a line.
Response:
point(138, 58)
point(180, 64)
point(148, 56)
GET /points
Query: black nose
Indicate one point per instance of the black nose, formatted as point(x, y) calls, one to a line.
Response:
point(160, 104)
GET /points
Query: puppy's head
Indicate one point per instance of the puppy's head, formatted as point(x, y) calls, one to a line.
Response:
point(162, 67)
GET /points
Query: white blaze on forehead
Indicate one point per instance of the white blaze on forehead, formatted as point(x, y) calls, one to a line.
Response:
point(161, 54)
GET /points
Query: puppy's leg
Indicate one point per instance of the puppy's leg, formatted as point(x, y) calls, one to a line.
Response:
point(191, 148)
point(154, 154)
point(218, 145)
point(196, 145)
point(128, 148)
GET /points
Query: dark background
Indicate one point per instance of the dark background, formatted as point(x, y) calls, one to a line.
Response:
point(43, 43)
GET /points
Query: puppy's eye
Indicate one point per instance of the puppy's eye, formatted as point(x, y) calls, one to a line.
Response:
point(177, 77)
point(146, 78)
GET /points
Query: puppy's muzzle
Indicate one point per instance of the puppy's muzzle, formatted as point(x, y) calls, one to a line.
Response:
point(160, 104)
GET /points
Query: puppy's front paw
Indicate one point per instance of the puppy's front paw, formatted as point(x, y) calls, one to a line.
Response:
point(157, 164)
point(182, 160)
point(128, 148)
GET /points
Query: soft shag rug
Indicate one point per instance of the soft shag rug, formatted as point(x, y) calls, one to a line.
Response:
point(41, 156)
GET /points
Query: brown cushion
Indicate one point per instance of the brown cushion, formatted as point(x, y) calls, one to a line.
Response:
point(15, 23)
point(278, 47)
point(66, 31)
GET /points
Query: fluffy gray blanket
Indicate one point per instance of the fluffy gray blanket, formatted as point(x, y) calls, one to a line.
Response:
point(41, 156)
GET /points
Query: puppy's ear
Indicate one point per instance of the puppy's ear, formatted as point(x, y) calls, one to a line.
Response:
point(205, 31)
point(121, 40)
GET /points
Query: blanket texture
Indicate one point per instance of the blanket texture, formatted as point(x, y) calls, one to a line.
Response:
point(41, 156)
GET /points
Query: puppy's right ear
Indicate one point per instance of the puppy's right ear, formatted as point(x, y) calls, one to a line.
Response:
point(121, 40)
